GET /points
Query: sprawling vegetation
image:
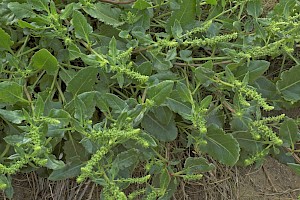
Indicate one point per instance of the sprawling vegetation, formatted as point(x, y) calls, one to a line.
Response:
point(145, 93)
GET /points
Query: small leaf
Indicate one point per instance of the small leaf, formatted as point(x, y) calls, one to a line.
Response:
point(10, 92)
point(116, 103)
point(160, 131)
point(183, 109)
point(81, 26)
point(212, 2)
point(289, 85)
point(141, 4)
point(73, 149)
point(16, 139)
point(74, 51)
point(158, 93)
point(289, 132)
point(184, 92)
point(83, 81)
point(221, 146)
point(5, 42)
point(43, 59)
point(105, 13)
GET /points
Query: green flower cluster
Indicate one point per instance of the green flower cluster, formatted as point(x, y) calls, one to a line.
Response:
point(199, 29)
point(210, 41)
point(192, 177)
point(112, 192)
point(251, 93)
point(259, 129)
point(258, 156)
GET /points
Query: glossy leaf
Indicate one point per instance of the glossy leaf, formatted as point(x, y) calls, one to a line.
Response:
point(5, 42)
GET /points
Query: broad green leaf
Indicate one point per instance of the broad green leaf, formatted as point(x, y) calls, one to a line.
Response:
point(183, 109)
point(254, 8)
point(22, 10)
point(255, 68)
point(43, 59)
point(10, 92)
point(141, 4)
point(16, 139)
point(284, 8)
point(295, 168)
point(83, 81)
point(73, 149)
point(112, 50)
point(184, 92)
point(70, 170)
point(289, 84)
point(5, 42)
point(53, 163)
point(194, 165)
point(39, 107)
point(162, 132)
point(160, 64)
point(105, 13)
point(203, 75)
point(158, 93)
point(74, 51)
point(80, 109)
point(163, 114)
point(115, 102)
point(221, 146)
point(6, 185)
point(289, 132)
point(39, 4)
point(266, 88)
point(126, 159)
point(185, 15)
point(14, 116)
point(81, 26)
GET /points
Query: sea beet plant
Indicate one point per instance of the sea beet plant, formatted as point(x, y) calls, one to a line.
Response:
point(99, 89)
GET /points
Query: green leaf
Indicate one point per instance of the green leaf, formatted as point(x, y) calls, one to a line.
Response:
point(126, 159)
point(116, 103)
point(256, 68)
point(105, 13)
point(74, 51)
point(83, 81)
point(39, 4)
point(184, 92)
point(185, 15)
point(70, 170)
point(164, 179)
point(53, 163)
point(195, 165)
point(289, 132)
point(183, 109)
point(43, 59)
point(160, 131)
point(158, 93)
point(254, 8)
point(10, 92)
point(81, 26)
point(160, 64)
point(289, 84)
point(295, 167)
point(141, 4)
point(21, 11)
point(16, 139)
point(211, 2)
point(14, 116)
point(221, 146)
point(73, 149)
point(5, 42)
